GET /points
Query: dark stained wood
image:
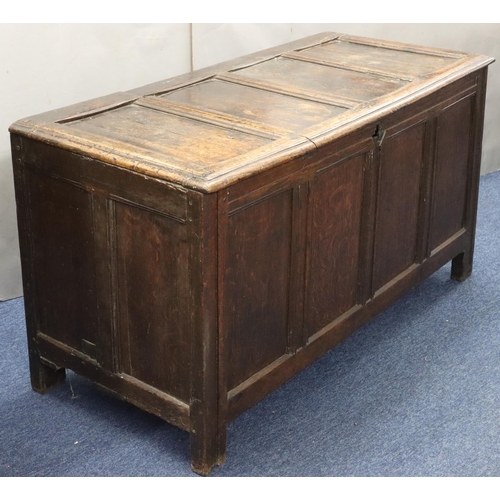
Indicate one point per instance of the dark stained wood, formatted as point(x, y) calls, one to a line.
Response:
point(153, 292)
point(106, 284)
point(63, 259)
point(423, 251)
point(125, 387)
point(398, 204)
point(208, 417)
point(222, 351)
point(300, 203)
point(43, 376)
point(461, 266)
point(335, 208)
point(270, 379)
point(101, 179)
point(191, 245)
point(256, 285)
point(367, 231)
point(453, 150)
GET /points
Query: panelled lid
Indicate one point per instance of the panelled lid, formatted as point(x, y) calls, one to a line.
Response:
point(212, 127)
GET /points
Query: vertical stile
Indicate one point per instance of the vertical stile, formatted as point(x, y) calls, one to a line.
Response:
point(104, 288)
point(204, 405)
point(297, 268)
point(368, 217)
point(42, 376)
point(222, 223)
point(425, 202)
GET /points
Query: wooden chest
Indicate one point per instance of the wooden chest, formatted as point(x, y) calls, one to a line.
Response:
point(192, 244)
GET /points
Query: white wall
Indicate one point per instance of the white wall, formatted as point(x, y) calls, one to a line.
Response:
point(47, 66)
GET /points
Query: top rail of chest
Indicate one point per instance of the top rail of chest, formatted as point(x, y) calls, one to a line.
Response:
point(212, 127)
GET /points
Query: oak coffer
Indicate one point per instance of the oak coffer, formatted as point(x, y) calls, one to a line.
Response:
point(192, 244)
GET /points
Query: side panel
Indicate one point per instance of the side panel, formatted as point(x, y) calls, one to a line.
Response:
point(257, 285)
point(396, 230)
point(152, 298)
point(107, 262)
point(453, 146)
point(335, 211)
point(62, 243)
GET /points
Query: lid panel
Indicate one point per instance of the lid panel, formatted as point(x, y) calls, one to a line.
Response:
point(214, 127)
point(162, 136)
point(397, 62)
point(250, 104)
point(316, 79)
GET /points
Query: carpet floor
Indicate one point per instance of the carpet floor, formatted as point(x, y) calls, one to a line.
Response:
point(416, 392)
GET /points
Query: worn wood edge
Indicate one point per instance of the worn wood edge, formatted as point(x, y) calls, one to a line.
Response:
point(222, 354)
point(260, 158)
point(251, 391)
point(252, 164)
point(376, 109)
point(88, 145)
point(74, 112)
point(91, 145)
point(52, 161)
point(247, 384)
point(148, 398)
point(403, 47)
point(253, 196)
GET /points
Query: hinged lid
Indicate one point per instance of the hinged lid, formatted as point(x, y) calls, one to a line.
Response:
point(209, 128)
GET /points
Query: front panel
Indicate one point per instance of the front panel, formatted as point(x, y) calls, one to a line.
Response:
point(335, 228)
point(453, 150)
point(257, 277)
point(396, 226)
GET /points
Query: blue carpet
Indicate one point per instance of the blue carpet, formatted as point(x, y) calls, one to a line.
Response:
point(416, 392)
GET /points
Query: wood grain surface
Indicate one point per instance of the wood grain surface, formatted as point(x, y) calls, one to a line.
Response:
point(193, 244)
point(210, 129)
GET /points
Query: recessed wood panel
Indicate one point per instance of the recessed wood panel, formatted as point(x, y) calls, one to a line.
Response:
point(210, 128)
point(185, 143)
point(398, 204)
point(259, 106)
point(316, 79)
point(334, 243)
point(152, 299)
point(257, 285)
point(64, 257)
point(399, 62)
point(453, 145)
